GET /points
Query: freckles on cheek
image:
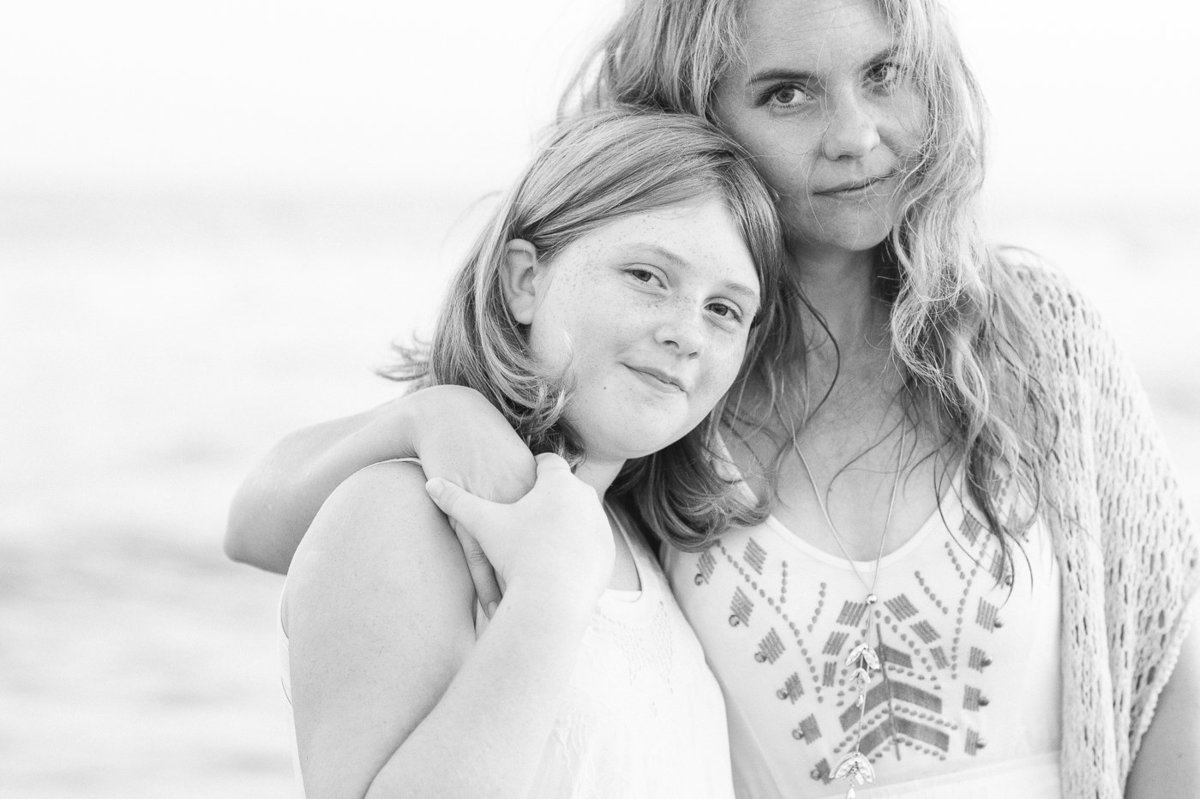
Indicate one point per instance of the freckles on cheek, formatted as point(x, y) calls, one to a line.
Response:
point(720, 378)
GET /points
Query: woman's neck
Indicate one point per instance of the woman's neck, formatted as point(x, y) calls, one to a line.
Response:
point(841, 287)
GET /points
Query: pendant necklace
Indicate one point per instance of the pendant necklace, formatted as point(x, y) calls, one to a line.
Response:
point(863, 660)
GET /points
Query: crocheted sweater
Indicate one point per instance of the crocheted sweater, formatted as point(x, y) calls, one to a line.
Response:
point(1129, 555)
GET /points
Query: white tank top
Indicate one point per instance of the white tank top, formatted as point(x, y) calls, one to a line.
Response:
point(970, 701)
point(643, 716)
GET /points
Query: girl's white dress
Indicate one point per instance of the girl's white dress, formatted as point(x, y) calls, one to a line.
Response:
point(643, 717)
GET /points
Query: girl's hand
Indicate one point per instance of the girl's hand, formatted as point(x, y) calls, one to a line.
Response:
point(557, 536)
point(460, 437)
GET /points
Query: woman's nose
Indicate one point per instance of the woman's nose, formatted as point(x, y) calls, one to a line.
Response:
point(851, 131)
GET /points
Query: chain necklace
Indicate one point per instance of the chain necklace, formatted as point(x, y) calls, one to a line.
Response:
point(863, 659)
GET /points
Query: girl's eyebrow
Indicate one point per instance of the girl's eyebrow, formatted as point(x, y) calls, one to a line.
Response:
point(773, 74)
point(741, 290)
point(746, 295)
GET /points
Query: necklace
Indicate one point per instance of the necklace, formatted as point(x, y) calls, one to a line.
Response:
point(863, 659)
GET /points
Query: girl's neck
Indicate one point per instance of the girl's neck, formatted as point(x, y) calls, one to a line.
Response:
point(598, 474)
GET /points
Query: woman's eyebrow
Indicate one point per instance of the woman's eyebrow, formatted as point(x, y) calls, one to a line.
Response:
point(779, 74)
point(803, 76)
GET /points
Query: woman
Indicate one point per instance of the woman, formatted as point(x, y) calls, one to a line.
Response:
point(939, 378)
point(606, 311)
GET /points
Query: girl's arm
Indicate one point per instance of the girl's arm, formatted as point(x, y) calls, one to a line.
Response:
point(454, 430)
point(393, 696)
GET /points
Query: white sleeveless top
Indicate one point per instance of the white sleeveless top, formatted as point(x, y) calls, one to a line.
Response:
point(642, 717)
point(969, 699)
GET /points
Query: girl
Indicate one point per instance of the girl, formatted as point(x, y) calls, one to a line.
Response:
point(605, 313)
point(977, 566)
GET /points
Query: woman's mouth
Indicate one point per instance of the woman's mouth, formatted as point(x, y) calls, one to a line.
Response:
point(854, 188)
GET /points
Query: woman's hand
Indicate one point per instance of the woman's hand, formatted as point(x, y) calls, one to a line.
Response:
point(455, 431)
point(556, 535)
point(461, 437)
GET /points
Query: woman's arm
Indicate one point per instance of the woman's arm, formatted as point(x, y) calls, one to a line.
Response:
point(1168, 762)
point(454, 430)
point(392, 694)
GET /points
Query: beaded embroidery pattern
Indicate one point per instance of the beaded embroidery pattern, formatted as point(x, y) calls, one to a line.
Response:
point(926, 700)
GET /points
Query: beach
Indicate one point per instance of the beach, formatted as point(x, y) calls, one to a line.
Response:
point(155, 345)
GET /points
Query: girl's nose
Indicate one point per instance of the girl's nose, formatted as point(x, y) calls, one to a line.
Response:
point(851, 130)
point(683, 332)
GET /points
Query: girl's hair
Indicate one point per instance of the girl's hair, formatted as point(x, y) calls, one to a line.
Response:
point(594, 169)
point(959, 329)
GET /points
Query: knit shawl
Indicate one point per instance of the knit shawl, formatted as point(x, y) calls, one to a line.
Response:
point(1126, 547)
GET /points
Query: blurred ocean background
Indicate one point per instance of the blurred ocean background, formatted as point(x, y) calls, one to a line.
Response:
point(213, 220)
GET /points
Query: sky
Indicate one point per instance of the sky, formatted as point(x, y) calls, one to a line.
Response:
point(1093, 102)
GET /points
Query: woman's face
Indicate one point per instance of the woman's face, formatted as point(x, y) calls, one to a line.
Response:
point(649, 316)
point(830, 116)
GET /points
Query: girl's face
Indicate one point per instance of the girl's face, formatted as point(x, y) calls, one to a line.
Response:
point(649, 317)
point(830, 116)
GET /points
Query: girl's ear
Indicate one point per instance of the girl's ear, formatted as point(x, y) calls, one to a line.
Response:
point(517, 279)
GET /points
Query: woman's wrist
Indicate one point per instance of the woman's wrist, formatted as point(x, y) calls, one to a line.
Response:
point(395, 425)
point(420, 411)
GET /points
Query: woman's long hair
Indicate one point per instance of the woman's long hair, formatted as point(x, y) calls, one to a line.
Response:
point(595, 168)
point(958, 327)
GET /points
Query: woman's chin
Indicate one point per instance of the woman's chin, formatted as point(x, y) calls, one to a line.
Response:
point(843, 232)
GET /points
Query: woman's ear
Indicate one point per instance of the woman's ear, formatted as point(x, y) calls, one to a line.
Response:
point(517, 279)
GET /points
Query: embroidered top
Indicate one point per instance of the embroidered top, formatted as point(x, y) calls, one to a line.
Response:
point(1127, 552)
point(969, 651)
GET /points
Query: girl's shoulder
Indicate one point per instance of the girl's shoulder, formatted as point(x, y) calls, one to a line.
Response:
point(377, 534)
point(367, 503)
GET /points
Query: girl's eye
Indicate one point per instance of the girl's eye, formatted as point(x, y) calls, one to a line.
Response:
point(643, 276)
point(724, 310)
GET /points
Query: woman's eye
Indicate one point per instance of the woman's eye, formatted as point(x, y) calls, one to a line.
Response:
point(788, 96)
point(884, 74)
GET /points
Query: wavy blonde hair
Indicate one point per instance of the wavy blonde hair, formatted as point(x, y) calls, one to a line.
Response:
point(958, 326)
point(595, 168)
